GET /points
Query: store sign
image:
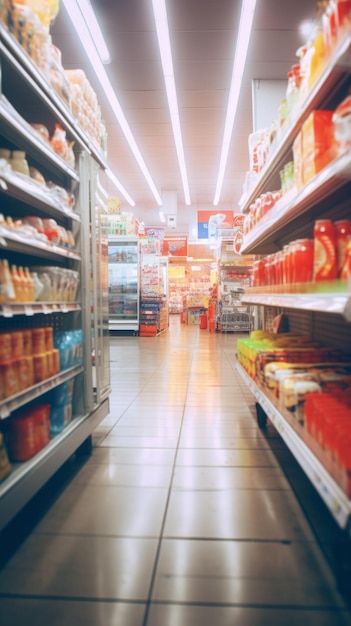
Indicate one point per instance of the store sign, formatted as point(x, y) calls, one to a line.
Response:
point(176, 245)
point(209, 221)
point(154, 232)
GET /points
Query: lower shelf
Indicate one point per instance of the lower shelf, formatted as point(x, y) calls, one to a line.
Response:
point(27, 478)
point(331, 493)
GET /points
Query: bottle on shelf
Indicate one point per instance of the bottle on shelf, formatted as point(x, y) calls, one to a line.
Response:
point(17, 284)
point(19, 162)
point(7, 292)
point(27, 282)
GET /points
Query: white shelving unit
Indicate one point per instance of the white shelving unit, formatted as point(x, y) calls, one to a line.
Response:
point(325, 196)
point(337, 303)
point(333, 496)
point(332, 79)
point(25, 97)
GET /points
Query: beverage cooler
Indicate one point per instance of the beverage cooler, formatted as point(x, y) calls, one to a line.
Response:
point(54, 353)
point(123, 279)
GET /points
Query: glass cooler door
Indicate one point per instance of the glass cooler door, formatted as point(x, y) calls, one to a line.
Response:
point(123, 271)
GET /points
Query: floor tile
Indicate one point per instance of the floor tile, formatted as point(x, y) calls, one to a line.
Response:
point(120, 441)
point(136, 475)
point(153, 412)
point(209, 478)
point(245, 573)
point(71, 566)
point(162, 429)
point(236, 514)
point(38, 612)
point(217, 440)
point(180, 615)
point(110, 511)
point(133, 456)
point(226, 457)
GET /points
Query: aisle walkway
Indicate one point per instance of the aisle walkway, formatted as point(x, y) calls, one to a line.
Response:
point(182, 515)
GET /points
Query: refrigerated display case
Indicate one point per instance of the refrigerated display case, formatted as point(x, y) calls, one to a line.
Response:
point(65, 317)
point(123, 273)
point(100, 335)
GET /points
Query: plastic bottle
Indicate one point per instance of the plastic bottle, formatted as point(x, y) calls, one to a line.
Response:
point(25, 285)
point(8, 288)
point(37, 286)
point(45, 294)
point(17, 284)
point(30, 284)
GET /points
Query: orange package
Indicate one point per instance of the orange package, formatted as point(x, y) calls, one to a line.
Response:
point(318, 145)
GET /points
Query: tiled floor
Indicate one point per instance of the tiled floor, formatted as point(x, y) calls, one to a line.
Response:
point(182, 516)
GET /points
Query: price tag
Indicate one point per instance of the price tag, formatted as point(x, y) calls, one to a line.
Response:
point(4, 411)
point(336, 508)
point(7, 311)
point(28, 310)
point(46, 310)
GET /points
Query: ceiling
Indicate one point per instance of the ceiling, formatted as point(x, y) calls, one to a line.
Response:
point(203, 34)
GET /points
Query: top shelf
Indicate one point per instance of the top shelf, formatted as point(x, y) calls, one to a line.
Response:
point(331, 79)
point(19, 61)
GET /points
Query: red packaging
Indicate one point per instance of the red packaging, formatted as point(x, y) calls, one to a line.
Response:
point(325, 258)
point(343, 236)
point(303, 261)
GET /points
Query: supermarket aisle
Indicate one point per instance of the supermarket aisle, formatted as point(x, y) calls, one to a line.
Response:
point(182, 515)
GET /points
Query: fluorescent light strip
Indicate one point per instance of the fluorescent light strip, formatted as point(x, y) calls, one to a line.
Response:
point(120, 187)
point(160, 14)
point(93, 55)
point(101, 188)
point(245, 27)
point(92, 24)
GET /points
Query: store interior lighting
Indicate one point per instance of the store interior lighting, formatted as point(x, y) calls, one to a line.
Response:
point(79, 23)
point(120, 187)
point(242, 44)
point(89, 17)
point(161, 21)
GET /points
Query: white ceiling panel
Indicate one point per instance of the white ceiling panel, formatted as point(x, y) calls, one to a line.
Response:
point(203, 34)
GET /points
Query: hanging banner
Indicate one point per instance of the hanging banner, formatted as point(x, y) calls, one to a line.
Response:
point(175, 245)
point(209, 221)
point(154, 232)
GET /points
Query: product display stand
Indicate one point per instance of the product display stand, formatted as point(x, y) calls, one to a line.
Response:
point(234, 273)
point(124, 268)
point(154, 314)
point(307, 309)
point(27, 98)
